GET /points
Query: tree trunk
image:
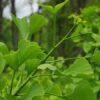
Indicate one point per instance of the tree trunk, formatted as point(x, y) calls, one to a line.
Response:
point(77, 5)
point(1, 8)
point(13, 27)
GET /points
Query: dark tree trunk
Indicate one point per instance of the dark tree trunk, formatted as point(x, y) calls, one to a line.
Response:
point(13, 27)
point(72, 5)
point(81, 4)
point(13, 10)
point(0, 14)
point(1, 8)
point(77, 5)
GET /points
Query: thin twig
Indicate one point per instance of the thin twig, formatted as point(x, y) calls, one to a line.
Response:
point(58, 44)
point(72, 58)
point(41, 75)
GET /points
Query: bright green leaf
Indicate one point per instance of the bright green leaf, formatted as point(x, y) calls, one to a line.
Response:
point(37, 22)
point(59, 6)
point(80, 67)
point(22, 25)
point(46, 66)
point(48, 8)
point(2, 63)
point(11, 60)
point(3, 48)
point(96, 37)
point(51, 87)
point(87, 46)
point(96, 57)
point(36, 89)
point(55, 9)
point(31, 64)
point(29, 50)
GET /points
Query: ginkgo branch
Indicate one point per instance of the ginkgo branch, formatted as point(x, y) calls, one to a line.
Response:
point(44, 60)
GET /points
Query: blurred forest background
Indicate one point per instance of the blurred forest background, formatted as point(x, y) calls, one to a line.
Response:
point(50, 34)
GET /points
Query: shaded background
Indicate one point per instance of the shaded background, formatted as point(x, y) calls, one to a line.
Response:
point(22, 8)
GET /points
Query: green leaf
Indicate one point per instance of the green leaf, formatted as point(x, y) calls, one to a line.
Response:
point(29, 50)
point(87, 46)
point(37, 22)
point(10, 97)
point(1, 98)
point(12, 60)
point(96, 57)
point(60, 64)
point(59, 6)
point(55, 9)
point(2, 63)
point(96, 37)
point(31, 64)
point(46, 66)
point(80, 67)
point(48, 8)
point(51, 87)
point(70, 88)
point(3, 48)
point(36, 89)
point(97, 68)
point(90, 13)
point(76, 35)
point(22, 25)
point(2, 81)
point(55, 89)
point(83, 91)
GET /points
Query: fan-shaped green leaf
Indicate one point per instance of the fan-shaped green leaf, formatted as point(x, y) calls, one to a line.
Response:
point(96, 57)
point(3, 48)
point(36, 89)
point(83, 91)
point(59, 6)
point(37, 22)
point(31, 64)
point(80, 67)
point(22, 25)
